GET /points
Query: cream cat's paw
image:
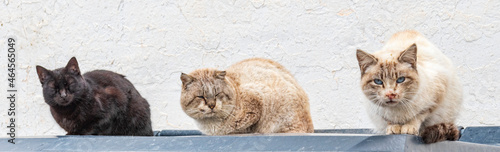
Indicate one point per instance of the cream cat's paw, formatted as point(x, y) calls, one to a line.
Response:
point(409, 129)
point(393, 129)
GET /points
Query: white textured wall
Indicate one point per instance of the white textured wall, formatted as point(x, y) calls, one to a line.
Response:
point(152, 42)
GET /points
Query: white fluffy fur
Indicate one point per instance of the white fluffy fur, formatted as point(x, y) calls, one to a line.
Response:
point(435, 70)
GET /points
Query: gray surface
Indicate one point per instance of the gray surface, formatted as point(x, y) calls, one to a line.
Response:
point(307, 142)
point(414, 144)
point(483, 135)
point(322, 140)
point(178, 133)
point(196, 132)
point(344, 131)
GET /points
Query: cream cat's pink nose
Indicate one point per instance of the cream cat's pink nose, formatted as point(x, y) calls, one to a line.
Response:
point(390, 95)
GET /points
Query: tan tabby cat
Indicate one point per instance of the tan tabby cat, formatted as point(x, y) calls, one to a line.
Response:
point(252, 96)
point(413, 88)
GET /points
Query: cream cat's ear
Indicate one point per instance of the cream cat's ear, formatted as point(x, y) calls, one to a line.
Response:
point(409, 56)
point(43, 73)
point(186, 79)
point(220, 74)
point(73, 67)
point(365, 60)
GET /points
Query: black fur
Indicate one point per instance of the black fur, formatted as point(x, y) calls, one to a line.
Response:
point(96, 103)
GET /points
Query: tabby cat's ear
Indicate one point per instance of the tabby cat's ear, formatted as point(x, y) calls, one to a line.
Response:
point(43, 73)
point(365, 60)
point(186, 79)
point(72, 66)
point(409, 56)
point(220, 74)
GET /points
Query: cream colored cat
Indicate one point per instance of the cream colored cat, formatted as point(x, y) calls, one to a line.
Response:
point(413, 88)
point(252, 96)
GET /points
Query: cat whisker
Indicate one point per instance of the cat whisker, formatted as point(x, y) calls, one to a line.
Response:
point(227, 114)
point(407, 107)
point(410, 107)
point(232, 106)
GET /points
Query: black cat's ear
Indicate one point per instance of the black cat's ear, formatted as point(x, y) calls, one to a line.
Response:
point(409, 56)
point(72, 66)
point(43, 73)
point(186, 79)
point(365, 60)
point(220, 74)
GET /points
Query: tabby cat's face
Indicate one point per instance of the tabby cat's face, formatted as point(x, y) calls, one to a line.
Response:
point(389, 82)
point(206, 94)
point(61, 86)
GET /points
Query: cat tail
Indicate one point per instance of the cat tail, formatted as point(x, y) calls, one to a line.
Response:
point(440, 132)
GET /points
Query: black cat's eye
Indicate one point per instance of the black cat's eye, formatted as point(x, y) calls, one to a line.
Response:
point(378, 81)
point(400, 80)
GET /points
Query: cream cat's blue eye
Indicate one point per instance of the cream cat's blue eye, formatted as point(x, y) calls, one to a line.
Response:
point(400, 80)
point(378, 81)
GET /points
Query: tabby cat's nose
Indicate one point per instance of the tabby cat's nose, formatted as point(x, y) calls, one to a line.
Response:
point(211, 103)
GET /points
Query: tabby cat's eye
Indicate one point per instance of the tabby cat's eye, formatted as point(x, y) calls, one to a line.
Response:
point(378, 81)
point(200, 97)
point(400, 80)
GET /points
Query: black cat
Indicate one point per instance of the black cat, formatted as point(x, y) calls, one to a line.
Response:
point(96, 103)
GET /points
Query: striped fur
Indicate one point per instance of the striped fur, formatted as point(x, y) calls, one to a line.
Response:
point(440, 132)
point(252, 96)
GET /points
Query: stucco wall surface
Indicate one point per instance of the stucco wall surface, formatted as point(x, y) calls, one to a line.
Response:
point(152, 42)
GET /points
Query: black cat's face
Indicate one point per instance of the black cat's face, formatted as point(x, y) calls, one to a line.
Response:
point(61, 86)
